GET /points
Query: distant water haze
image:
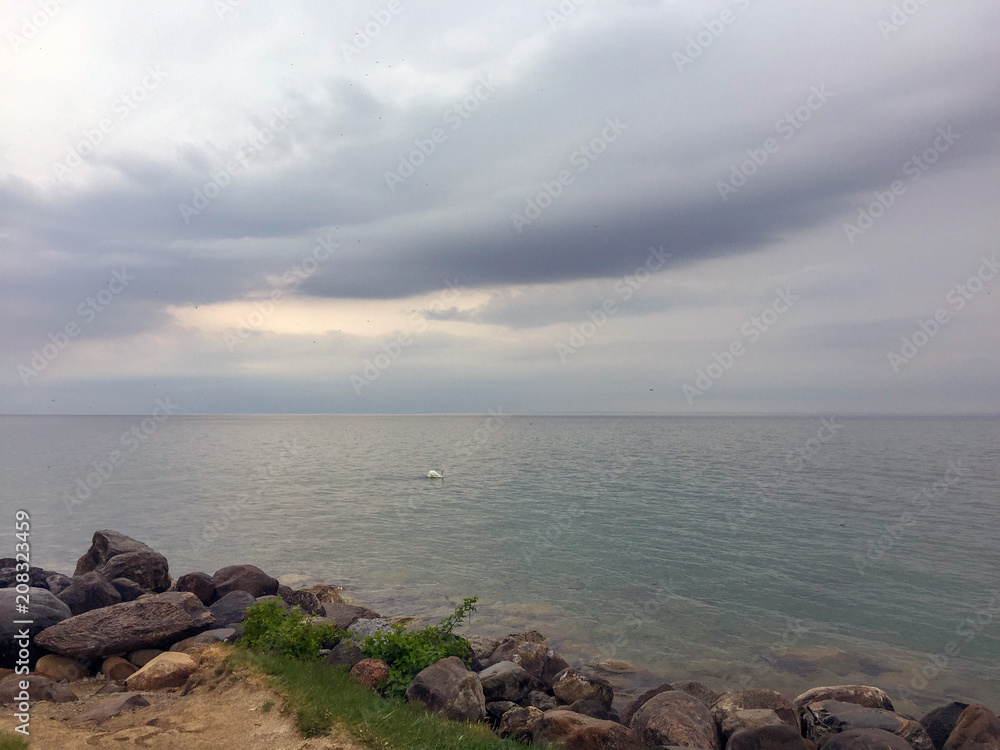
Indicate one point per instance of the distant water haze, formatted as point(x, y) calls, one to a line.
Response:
point(774, 552)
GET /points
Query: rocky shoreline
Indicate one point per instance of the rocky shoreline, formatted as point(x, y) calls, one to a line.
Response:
point(123, 620)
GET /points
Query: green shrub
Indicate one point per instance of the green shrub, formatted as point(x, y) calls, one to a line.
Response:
point(270, 627)
point(409, 652)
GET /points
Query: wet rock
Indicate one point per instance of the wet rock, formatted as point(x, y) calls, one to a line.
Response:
point(345, 654)
point(89, 591)
point(143, 656)
point(751, 718)
point(145, 623)
point(60, 668)
point(306, 601)
point(115, 555)
point(327, 594)
point(940, 722)
point(825, 718)
point(639, 701)
point(200, 584)
point(572, 685)
point(40, 688)
point(750, 698)
point(519, 724)
point(676, 718)
point(128, 590)
point(504, 681)
point(46, 611)
point(194, 645)
point(861, 695)
point(977, 728)
point(573, 731)
point(169, 669)
point(231, 609)
point(247, 578)
point(118, 669)
point(370, 672)
point(698, 689)
point(344, 615)
point(109, 708)
point(448, 688)
point(866, 739)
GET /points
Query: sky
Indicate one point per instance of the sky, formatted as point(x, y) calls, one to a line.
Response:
point(749, 206)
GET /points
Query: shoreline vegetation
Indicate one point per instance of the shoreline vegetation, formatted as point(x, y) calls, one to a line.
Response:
point(122, 638)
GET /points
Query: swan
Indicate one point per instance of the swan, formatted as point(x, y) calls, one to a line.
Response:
point(435, 474)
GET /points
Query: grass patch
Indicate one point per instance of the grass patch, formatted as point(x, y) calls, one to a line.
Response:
point(12, 741)
point(321, 696)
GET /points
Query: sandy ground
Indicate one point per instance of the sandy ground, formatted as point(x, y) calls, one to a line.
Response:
point(223, 712)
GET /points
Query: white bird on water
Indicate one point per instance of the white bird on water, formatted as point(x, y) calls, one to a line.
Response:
point(432, 474)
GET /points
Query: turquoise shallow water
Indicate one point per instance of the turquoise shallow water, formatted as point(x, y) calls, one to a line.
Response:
point(737, 550)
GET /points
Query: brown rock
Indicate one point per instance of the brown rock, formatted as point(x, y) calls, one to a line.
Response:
point(128, 590)
point(169, 669)
point(118, 669)
point(778, 736)
point(199, 584)
point(978, 728)
point(742, 700)
point(482, 647)
point(751, 718)
point(941, 721)
point(329, 594)
point(866, 739)
point(519, 724)
point(370, 672)
point(143, 656)
point(822, 719)
point(89, 591)
point(247, 578)
point(60, 668)
point(537, 659)
point(304, 600)
point(115, 555)
point(448, 688)
point(639, 701)
point(572, 685)
point(504, 681)
point(699, 690)
point(109, 708)
point(676, 718)
point(345, 615)
point(110, 687)
point(862, 695)
point(40, 688)
point(145, 623)
point(573, 731)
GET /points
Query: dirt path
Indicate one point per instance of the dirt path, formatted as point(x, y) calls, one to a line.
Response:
point(224, 712)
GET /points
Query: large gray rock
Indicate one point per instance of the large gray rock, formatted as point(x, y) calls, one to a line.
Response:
point(247, 578)
point(862, 695)
point(448, 688)
point(363, 628)
point(505, 681)
point(676, 718)
point(40, 688)
point(153, 622)
point(573, 731)
point(115, 555)
point(45, 611)
point(572, 685)
point(940, 722)
point(866, 739)
point(231, 609)
point(89, 591)
point(751, 698)
point(640, 700)
point(822, 719)
point(37, 577)
point(778, 736)
point(978, 728)
point(537, 659)
point(344, 654)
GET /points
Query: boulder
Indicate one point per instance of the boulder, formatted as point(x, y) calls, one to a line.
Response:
point(978, 728)
point(115, 555)
point(825, 718)
point(537, 659)
point(306, 601)
point(109, 708)
point(198, 643)
point(750, 698)
point(170, 669)
point(370, 672)
point(57, 582)
point(89, 591)
point(699, 690)
point(60, 668)
point(676, 718)
point(345, 654)
point(127, 589)
point(519, 724)
point(639, 701)
point(504, 681)
point(143, 656)
point(866, 739)
point(199, 584)
point(862, 695)
point(231, 609)
point(572, 685)
point(361, 629)
point(344, 615)
point(751, 718)
point(482, 647)
point(37, 577)
point(40, 688)
point(572, 731)
point(541, 701)
point(118, 669)
point(45, 611)
point(151, 622)
point(940, 722)
point(326, 594)
point(448, 688)
point(595, 710)
point(778, 736)
point(247, 578)
point(496, 709)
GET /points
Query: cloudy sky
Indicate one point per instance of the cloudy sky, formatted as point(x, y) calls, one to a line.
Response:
point(587, 206)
